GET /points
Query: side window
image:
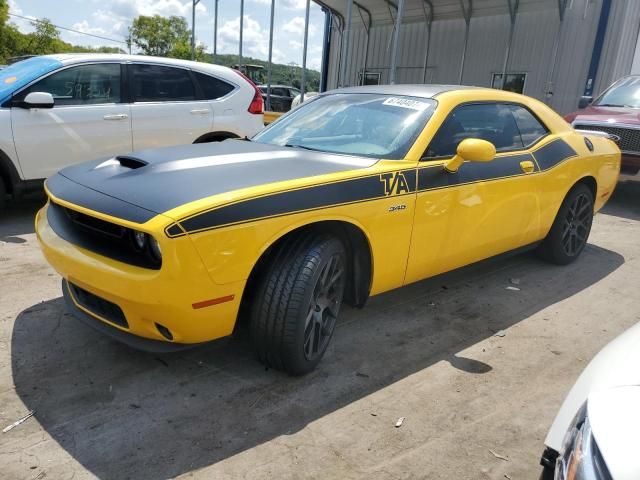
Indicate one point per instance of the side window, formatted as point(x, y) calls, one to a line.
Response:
point(531, 130)
point(212, 87)
point(281, 92)
point(488, 121)
point(157, 83)
point(81, 85)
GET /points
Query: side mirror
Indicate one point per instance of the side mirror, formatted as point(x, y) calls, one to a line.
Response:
point(38, 100)
point(471, 150)
point(585, 102)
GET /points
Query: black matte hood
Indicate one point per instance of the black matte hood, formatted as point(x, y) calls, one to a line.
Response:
point(142, 184)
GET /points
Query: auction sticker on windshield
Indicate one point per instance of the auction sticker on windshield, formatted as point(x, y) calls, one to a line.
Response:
point(406, 103)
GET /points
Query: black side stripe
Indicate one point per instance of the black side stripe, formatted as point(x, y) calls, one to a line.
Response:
point(369, 188)
point(553, 153)
point(311, 198)
point(433, 177)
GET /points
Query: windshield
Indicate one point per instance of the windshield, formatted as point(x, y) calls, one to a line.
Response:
point(366, 124)
point(21, 73)
point(624, 93)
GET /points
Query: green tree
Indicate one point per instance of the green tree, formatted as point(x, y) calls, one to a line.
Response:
point(164, 37)
point(161, 36)
point(46, 38)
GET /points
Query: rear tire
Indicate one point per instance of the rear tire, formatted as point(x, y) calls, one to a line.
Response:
point(298, 301)
point(570, 230)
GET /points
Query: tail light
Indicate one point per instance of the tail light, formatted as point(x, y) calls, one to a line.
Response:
point(257, 104)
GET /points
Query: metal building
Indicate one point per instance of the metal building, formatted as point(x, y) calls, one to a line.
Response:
point(554, 50)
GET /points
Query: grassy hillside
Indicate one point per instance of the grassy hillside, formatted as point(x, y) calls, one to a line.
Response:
point(280, 74)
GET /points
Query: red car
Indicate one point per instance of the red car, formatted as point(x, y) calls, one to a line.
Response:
point(616, 112)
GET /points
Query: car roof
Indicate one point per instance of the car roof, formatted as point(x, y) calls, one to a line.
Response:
point(411, 90)
point(73, 58)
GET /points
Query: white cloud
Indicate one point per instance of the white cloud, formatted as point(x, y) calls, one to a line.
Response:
point(133, 8)
point(296, 45)
point(289, 4)
point(84, 27)
point(296, 25)
point(255, 39)
point(22, 24)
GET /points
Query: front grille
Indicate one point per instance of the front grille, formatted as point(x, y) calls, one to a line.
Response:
point(99, 306)
point(95, 224)
point(629, 137)
point(99, 236)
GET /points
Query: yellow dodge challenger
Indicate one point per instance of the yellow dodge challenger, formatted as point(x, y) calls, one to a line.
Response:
point(356, 192)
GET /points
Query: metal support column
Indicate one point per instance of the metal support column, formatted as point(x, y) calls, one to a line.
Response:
point(340, 30)
point(273, 7)
point(394, 51)
point(241, 28)
point(429, 20)
point(215, 31)
point(193, 28)
point(367, 27)
point(346, 36)
point(304, 51)
point(562, 7)
point(513, 13)
point(467, 12)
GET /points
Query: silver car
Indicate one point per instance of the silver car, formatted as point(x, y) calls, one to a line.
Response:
point(595, 434)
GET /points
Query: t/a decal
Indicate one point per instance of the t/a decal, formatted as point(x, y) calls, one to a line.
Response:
point(394, 183)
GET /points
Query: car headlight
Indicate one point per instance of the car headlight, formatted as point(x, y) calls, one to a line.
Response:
point(139, 239)
point(147, 245)
point(580, 457)
point(154, 246)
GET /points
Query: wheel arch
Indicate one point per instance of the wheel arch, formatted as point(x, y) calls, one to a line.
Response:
point(8, 173)
point(590, 182)
point(355, 240)
point(215, 137)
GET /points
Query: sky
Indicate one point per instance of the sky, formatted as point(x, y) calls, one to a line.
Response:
point(111, 18)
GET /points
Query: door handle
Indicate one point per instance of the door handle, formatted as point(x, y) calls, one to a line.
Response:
point(117, 116)
point(527, 166)
point(200, 111)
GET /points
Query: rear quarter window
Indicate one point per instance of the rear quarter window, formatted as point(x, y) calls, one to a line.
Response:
point(213, 87)
point(531, 129)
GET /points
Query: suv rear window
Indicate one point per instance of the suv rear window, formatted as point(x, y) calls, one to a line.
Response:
point(212, 87)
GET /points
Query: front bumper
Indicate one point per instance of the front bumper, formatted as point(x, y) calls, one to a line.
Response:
point(149, 299)
point(139, 343)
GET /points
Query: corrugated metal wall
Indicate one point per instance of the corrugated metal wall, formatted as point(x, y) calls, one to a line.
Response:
point(620, 43)
point(531, 53)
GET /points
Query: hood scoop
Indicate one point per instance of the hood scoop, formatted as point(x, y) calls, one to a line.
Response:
point(130, 162)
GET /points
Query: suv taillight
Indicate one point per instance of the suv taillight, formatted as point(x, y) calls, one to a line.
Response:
point(257, 104)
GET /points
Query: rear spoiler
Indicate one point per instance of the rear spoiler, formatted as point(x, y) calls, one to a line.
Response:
point(597, 133)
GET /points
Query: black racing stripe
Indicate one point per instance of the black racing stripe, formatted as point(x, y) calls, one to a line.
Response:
point(469, 172)
point(174, 230)
point(70, 191)
point(370, 188)
point(318, 196)
point(553, 153)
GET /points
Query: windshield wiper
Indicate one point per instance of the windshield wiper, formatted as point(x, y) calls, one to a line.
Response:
point(294, 145)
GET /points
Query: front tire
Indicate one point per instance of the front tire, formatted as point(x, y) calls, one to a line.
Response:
point(297, 304)
point(570, 230)
point(3, 195)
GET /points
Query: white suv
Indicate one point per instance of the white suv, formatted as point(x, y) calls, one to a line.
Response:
point(56, 110)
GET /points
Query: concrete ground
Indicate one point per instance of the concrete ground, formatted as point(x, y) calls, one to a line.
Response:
point(426, 352)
